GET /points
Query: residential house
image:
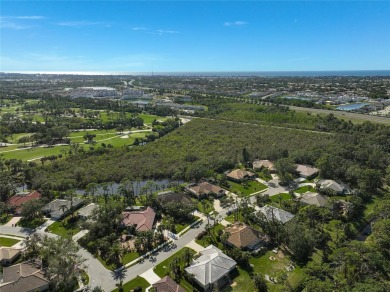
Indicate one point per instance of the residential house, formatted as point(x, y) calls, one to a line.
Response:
point(245, 237)
point(260, 164)
point(26, 276)
point(205, 189)
point(8, 255)
point(86, 211)
point(212, 269)
point(166, 284)
point(19, 199)
point(273, 213)
point(310, 198)
point(306, 171)
point(59, 208)
point(143, 219)
point(337, 188)
point(170, 196)
point(238, 175)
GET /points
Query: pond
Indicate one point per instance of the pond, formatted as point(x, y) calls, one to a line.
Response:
point(161, 185)
point(351, 106)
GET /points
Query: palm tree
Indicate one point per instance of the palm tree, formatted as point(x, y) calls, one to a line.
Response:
point(187, 257)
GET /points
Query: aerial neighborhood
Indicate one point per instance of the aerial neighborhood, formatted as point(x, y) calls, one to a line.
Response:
point(181, 184)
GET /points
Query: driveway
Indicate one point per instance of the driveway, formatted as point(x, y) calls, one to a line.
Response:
point(150, 276)
point(13, 221)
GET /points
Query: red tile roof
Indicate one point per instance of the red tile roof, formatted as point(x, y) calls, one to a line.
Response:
point(19, 199)
point(166, 284)
point(142, 219)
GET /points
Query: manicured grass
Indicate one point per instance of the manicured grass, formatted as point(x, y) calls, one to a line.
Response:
point(64, 228)
point(265, 266)
point(34, 153)
point(162, 269)
point(201, 208)
point(212, 239)
point(4, 241)
point(230, 218)
point(281, 196)
point(246, 189)
point(129, 257)
point(84, 277)
point(148, 119)
point(137, 282)
point(304, 189)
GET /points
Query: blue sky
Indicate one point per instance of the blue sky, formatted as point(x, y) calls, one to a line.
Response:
point(165, 36)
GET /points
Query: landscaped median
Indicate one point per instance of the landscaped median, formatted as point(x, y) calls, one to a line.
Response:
point(5, 241)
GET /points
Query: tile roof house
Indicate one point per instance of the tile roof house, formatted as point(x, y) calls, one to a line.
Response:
point(245, 237)
point(8, 255)
point(307, 171)
point(24, 277)
point(211, 270)
point(166, 284)
point(86, 211)
point(273, 213)
point(169, 196)
point(143, 220)
point(260, 164)
point(18, 200)
point(310, 198)
point(328, 184)
point(238, 175)
point(59, 208)
point(204, 189)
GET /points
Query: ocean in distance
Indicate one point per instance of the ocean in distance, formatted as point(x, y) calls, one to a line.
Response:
point(356, 73)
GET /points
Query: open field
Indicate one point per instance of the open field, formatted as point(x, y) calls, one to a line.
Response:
point(358, 118)
point(36, 153)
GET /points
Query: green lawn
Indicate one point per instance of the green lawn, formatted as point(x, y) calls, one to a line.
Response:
point(230, 218)
point(4, 241)
point(246, 189)
point(280, 197)
point(64, 228)
point(265, 266)
point(305, 189)
point(148, 119)
point(162, 268)
point(212, 239)
point(139, 281)
point(129, 257)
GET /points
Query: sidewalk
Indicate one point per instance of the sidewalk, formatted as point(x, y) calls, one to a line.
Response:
point(13, 221)
point(44, 226)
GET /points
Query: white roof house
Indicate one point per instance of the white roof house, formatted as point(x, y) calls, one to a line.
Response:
point(86, 211)
point(306, 171)
point(211, 268)
point(273, 213)
point(328, 184)
point(316, 199)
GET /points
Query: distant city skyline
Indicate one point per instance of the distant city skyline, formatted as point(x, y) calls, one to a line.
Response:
point(201, 36)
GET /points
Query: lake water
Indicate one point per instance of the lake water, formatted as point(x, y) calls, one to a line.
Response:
point(351, 106)
point(162, 185)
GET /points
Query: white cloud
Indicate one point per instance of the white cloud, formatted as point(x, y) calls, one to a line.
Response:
point(162, 31)
point(80, 23)
point(32, 17)
point(10, 23)
point(137, 28)
point(235, 23)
